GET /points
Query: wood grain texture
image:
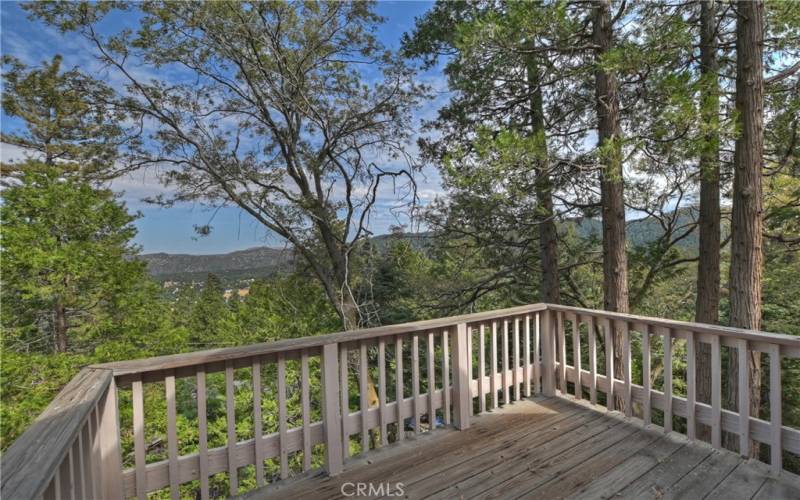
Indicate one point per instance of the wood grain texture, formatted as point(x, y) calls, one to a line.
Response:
point(331, 413)
point(446, 375)
point(363, 390)
point(202, 420)
point(646, 385)
point(258, 429)
point(305, 404)
point(382, 391)
point(31, 461)
point(716, 393)
point(576, 353)
point(493, 381)
point(431, 372)
point(415, 381)
point(138, 439)
point(172, 436)
point(282, 417)
point(398, 354)
point(504, 364)
point(527, 354)
point(667, 337)
point(537, 364)
point(481, 368)
point(775, 412)
point(563, 450)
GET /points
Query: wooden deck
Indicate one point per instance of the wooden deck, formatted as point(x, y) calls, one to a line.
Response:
point(547, 448)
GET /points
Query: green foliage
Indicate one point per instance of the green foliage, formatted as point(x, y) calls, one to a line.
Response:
point(64, 119)
point(65, 251)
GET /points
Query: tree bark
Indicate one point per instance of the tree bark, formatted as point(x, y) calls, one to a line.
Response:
point(708, 274)
point(746, 227)
point(609, 133)
point(60, 325)
point(549, 290)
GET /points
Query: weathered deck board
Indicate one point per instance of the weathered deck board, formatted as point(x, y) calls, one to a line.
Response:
point(634, 466)
point(419, 460)
point(744, 481)
point(548, 448)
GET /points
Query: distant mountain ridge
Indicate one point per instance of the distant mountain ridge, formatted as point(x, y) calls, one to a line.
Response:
point(257, 262)
point(261, 262)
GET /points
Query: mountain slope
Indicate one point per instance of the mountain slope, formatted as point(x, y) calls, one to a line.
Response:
point(262, 262)
point(255, 262)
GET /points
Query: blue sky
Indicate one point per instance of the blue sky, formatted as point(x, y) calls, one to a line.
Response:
point(171, 230)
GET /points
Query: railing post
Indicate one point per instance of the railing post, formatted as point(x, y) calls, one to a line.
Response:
point(109, 438)
point(331, 416)
point(548, 354)
point(461, 382)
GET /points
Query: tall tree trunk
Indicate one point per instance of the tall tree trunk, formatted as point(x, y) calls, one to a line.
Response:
point(545, 215)
point(609, 133)
point(746, 228)
point(60, 325)
point(708, 278)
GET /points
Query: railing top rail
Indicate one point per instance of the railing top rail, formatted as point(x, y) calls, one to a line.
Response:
point(29, 464)
point(175, 361)
point(757, 336)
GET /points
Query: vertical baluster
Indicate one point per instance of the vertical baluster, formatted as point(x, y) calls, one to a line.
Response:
point(626, 367)
point(446, 375)
point(744, 399)
point(65, 475)
point(305, 397)
point(108, 433)
point(415, 380)
point(53, 490)
point(431, 382)
point(592, 360)
point(716, 393)
point(344, 402)
point(469, 364)
point(667, 380)
point(331, 411)
point(77, 469)
point(506, 382)
point(527, 350)
point(258, 429)
point(363, 386)
point(537, 366)
point(610, 394)
point(84, 493)
point(646, 412)
point(775, 411)
point(462, 400)
point(576, 355)
point(282, 431)
point(172, 438)
point(493, 382)
point(691, 387)
point(202, 421)
point(93, 468)
point(138, 439)
point(481, 372)
point(548, 366)
point(398, 374)
point(562, 354)
point(382, 389)
point(515, 361)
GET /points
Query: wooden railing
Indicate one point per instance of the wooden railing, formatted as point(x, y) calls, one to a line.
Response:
point(659, 336)
point(70, 451)
point(353, 395)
